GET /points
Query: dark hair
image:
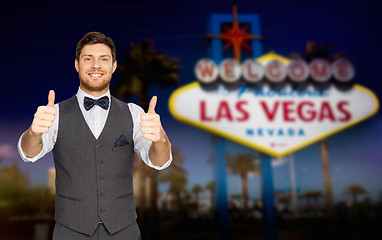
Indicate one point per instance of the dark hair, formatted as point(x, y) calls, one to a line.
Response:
point(94, 38)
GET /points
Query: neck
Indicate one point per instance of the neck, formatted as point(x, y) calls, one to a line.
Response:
point(95, 94)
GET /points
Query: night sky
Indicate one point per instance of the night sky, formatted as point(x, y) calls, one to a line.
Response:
point(38, 40)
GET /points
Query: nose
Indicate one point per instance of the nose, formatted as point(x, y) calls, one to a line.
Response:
point(96, 65)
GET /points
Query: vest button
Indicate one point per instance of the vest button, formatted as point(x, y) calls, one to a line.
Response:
point(100, 178)
point(102, 210)
point(100, 161)
point(98, 146)
point(101, 194)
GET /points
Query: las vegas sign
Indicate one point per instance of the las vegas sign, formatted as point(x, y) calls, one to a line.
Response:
point(276, 121)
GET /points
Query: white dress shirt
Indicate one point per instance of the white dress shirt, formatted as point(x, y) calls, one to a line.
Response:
point(96, 119)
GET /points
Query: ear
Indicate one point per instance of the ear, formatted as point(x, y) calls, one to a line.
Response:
point(114, 66)
point(76, 65)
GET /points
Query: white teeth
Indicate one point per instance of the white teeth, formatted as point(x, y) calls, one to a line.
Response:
point(96, 75)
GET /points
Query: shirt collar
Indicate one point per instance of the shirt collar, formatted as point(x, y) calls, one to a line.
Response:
point(81, 95)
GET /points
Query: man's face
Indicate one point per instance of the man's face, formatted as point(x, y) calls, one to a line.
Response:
point(95, 67)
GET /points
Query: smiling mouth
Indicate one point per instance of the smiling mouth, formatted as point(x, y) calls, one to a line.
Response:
point(95, 75)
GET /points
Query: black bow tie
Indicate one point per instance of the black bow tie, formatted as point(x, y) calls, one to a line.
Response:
point(103, 102)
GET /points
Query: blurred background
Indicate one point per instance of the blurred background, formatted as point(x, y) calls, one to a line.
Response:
point(158, 44)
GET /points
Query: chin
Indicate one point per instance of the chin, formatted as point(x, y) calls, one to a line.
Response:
point(95, 87)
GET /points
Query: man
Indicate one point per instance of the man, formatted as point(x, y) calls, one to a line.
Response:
point(93, 137)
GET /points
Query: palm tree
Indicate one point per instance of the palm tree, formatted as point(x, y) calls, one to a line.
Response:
point(308, 197)
point(243, 164)
point(312, 51)
point(210, 186)
point(145, 66)
point(176, 176)
point(327, 180)
point(196, 190)
point(186, 199)
point(354, 190)
point(14, 185)
point(315, 195)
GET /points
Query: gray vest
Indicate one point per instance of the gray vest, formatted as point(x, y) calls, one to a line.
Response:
point(94, 178)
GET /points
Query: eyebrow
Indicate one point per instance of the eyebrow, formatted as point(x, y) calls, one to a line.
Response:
point(90, 55)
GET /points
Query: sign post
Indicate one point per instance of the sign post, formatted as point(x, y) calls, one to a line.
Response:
point(221, 165)
point(266, 103)
point(269, 210)
point(221, 198)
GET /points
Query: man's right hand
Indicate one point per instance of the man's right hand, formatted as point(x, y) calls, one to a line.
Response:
point(31, 140)
point(44, 116)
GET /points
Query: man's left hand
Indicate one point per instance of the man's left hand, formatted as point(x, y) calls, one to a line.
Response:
point(151, 126)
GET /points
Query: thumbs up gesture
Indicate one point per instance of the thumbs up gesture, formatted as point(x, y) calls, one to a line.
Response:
point(44, 116)
point(151, 126)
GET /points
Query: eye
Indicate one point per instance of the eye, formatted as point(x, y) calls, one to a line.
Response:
point(104, 59)
point(87, 59)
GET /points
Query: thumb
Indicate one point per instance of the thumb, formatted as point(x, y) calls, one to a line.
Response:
point(152, 104)
point(51, 98)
